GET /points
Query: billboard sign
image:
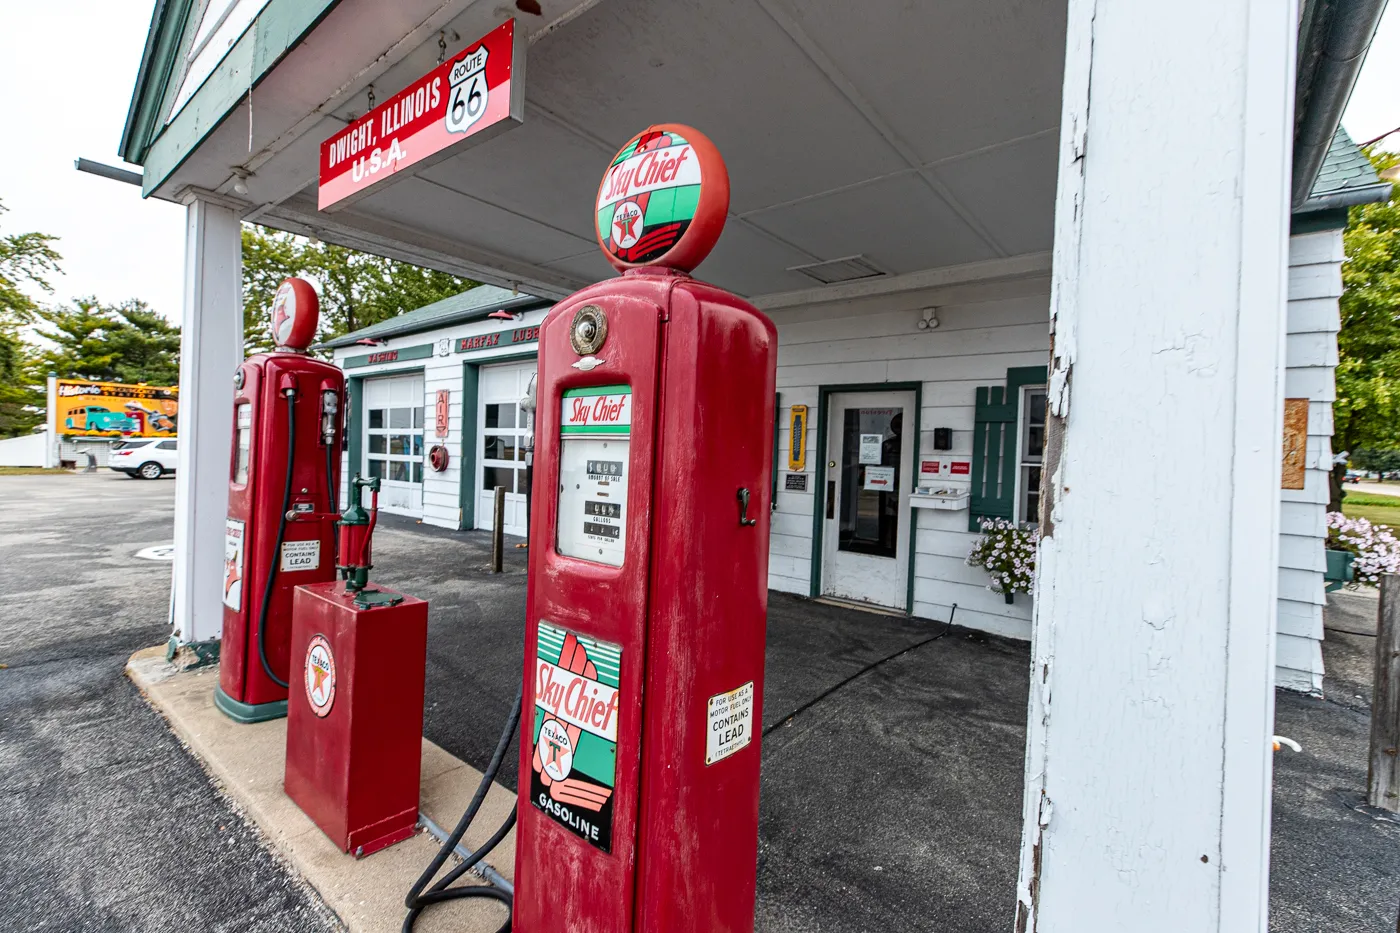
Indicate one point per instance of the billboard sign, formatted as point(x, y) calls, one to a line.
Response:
point(473, 95)
point(114, 409)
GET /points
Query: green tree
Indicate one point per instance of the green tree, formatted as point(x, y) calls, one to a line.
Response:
point(127, 342)
point(356, 289)
point(1367, 410)
point(25, 259)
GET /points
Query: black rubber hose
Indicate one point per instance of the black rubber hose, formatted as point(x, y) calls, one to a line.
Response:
point(277, 549)
point(417, 898)
point(333, 498)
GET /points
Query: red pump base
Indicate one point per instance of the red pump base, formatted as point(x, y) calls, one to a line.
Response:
point(355, 714)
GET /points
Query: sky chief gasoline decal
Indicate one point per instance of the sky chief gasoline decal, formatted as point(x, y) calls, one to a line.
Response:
point(649, 196)
point(575, 732)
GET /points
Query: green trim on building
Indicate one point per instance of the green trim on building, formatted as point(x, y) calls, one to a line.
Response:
point(1317, 221)
point(422, 351)
point(165, 41)
point(819, 498)
point(466, 499)
point(279, 28)
point(995, 405)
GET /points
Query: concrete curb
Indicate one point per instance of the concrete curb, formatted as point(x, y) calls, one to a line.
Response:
point(246, 762)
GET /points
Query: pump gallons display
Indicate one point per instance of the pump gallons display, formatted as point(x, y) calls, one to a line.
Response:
point(594, 427)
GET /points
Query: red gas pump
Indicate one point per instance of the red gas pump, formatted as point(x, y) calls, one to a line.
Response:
point(638, 788)
point(285, 464)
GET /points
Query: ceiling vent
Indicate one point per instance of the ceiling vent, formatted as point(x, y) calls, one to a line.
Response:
point(832, 271)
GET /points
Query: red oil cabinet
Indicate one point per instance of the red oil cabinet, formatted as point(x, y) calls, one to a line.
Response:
point(286, 458)
point(646, 611)
point(355, 713)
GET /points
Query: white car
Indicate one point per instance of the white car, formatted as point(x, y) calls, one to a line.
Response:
point(146, 457)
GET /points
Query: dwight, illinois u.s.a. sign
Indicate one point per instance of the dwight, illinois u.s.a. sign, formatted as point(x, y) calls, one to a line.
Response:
point(471, 96)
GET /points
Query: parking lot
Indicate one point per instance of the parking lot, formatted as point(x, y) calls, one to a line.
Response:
point(891, 768)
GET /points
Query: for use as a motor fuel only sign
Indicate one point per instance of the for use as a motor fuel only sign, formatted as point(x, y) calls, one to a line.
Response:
point(729, 723)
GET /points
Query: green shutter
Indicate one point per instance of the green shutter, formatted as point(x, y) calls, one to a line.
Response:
point(995, 434)
point(993, 456)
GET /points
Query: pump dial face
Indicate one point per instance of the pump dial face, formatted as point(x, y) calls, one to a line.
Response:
point(588, 330)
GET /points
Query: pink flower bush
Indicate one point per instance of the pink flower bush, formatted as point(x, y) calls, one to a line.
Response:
point(1376, 548)
point(1006, 551)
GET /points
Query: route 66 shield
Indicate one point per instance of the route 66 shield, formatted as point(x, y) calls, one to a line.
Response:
point(466, 102)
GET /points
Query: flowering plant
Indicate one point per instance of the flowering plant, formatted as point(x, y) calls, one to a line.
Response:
point(1006, 551)
point(1376, 548)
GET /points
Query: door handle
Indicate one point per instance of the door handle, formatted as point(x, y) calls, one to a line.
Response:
point(744, 508)
point(831, 498)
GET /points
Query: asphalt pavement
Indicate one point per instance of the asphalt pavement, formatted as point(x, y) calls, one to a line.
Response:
point(108, 823)
point(891, 771)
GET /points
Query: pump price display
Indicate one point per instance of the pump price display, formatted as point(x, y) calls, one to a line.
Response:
point(595, 428)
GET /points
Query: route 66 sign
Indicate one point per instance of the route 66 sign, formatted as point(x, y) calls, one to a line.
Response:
point(467, 100)
point(473, 96)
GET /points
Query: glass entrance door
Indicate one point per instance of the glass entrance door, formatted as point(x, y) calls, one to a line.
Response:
point(866, 535)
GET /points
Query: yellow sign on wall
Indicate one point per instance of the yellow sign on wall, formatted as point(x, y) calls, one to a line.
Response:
point(114, 409)
point(797, 439)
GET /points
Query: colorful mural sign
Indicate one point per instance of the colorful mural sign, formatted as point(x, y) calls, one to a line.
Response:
point(113, 409)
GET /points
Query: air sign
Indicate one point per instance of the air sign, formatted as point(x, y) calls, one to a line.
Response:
point(471, 96)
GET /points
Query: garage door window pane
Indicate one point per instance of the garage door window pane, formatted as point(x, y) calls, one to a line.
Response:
point(376, 468)
point(376, 443)
point(417, 445)
point(418, 472)
point(376, 418)
point(399, 444)
point(418, 417)
point(498, 476)
point(500, 447)
point(398, 471)
point(501, 415)
point(400, 417)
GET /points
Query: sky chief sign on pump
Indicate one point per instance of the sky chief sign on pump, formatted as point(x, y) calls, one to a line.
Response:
point(470, 96)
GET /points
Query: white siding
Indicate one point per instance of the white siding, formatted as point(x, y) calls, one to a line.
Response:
point(984, 330)
point(1314, 287)
point(442, 492)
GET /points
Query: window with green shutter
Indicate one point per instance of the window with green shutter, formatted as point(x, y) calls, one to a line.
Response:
point(996, 430)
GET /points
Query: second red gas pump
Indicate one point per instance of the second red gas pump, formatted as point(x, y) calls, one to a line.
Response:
point(285, 462)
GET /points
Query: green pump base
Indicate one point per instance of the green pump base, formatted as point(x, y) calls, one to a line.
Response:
point(248, 712)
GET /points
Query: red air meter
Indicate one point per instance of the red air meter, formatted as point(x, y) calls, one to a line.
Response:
point(638, 788)
point(285, 466)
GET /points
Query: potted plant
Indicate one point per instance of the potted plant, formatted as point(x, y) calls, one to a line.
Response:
point(1006, 551)
point(1358, 552)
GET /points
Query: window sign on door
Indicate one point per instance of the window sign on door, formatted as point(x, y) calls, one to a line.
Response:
point(871, 447)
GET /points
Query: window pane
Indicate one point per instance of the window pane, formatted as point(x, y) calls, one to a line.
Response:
point(398, 471)
point(498, 476)
point(418, 417)
point(499, 447)
point(418, 472)
point(166, 445)
point(399, 444)
point(417, 445)
point(400, 417)
point(500, 416)
point(377, 444)
point(376, 418)
point(1035, 426)
point(871, 447)
point(376, 468)
point(1030, 494)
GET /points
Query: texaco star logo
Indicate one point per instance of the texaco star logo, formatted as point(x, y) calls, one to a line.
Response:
point(320, 676)
point(627, 222)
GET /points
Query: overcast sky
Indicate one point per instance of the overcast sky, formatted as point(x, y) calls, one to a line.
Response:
point(67, 68)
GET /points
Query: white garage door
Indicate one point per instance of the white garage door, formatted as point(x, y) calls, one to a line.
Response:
point(499, 456)
point(393, 441)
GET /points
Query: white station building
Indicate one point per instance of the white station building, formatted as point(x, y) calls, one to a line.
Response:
point(1091, 314)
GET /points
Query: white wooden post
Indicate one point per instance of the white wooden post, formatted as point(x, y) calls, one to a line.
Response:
point(1148, 768)
point(211, 347)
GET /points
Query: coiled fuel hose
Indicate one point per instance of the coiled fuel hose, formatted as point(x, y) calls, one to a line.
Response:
point(418, 899)
point(290, 395)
